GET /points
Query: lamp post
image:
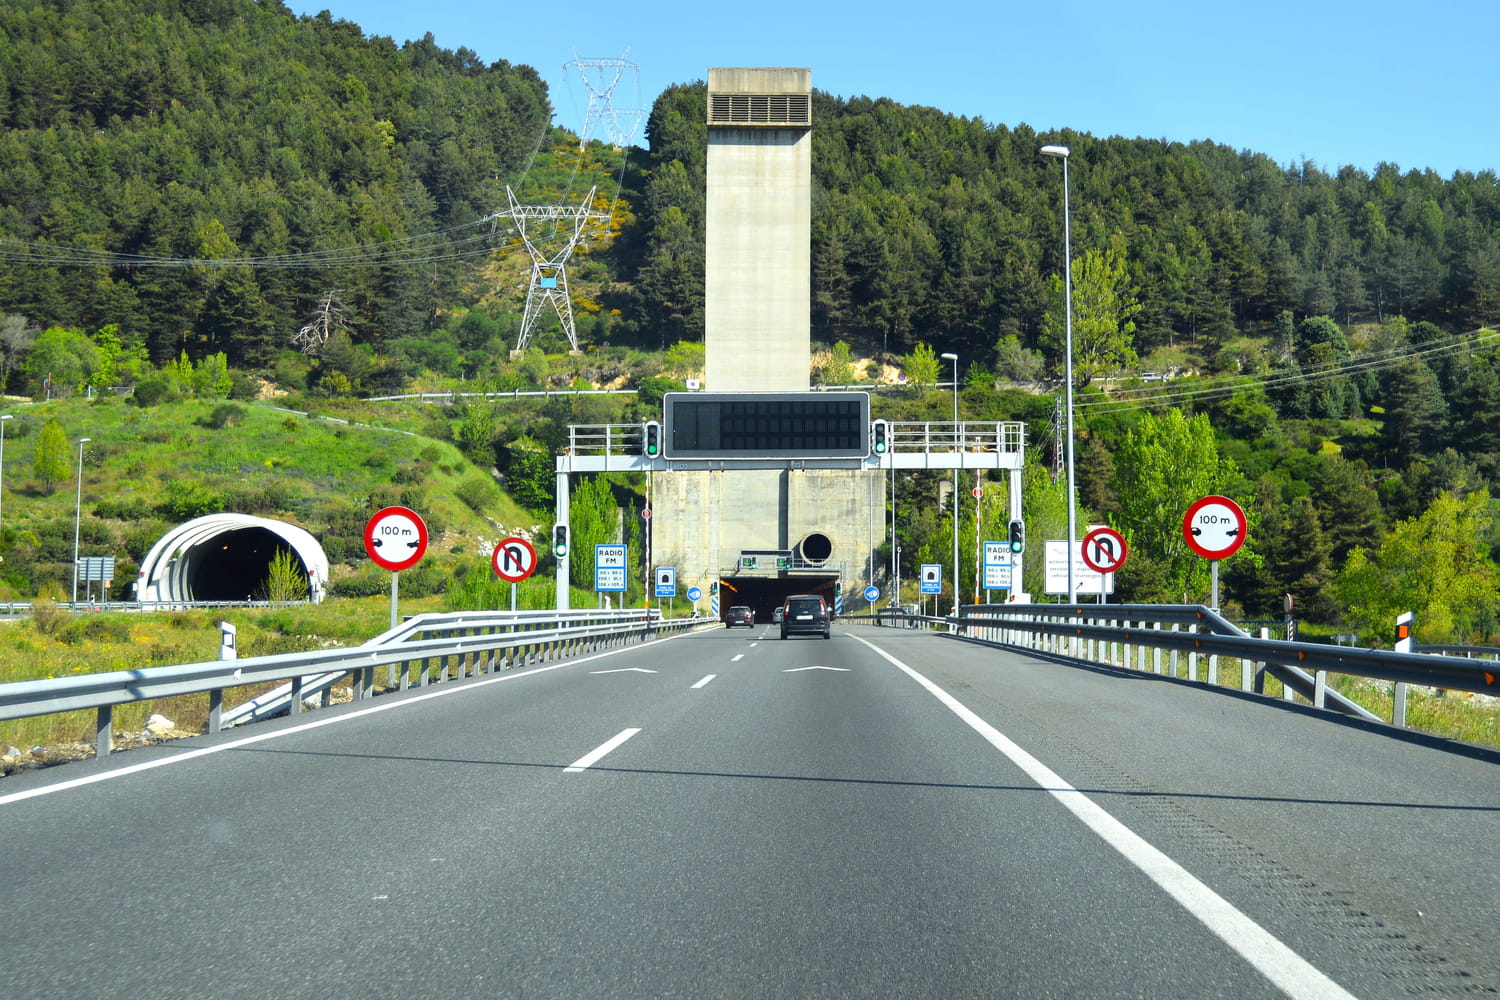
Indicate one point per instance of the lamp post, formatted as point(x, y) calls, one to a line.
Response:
point(1062, 153)
point(3, 418)
point(957, 450)
point(78, 516)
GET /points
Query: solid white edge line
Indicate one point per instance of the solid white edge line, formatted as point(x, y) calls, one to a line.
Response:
point(704, 681)
point(1288, 970)
point(442, 691)
point(594, 756)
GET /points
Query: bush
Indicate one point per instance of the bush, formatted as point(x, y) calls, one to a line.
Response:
point(47, 616)
point(226, 415)
point(95, 629)
point(154, 390)
point(478, 492)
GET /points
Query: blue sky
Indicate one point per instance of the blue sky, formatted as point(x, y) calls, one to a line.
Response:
point(1334, 82)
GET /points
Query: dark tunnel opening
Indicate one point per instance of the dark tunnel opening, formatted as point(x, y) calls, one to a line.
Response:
point(234, 566)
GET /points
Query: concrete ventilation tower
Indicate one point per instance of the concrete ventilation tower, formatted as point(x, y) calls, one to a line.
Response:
point(758, 283)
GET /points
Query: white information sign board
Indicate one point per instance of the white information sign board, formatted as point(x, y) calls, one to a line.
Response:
point(997, 566)
point(609, 567)
point(1085, 580)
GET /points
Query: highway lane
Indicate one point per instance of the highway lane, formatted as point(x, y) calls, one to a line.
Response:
point(799, 818)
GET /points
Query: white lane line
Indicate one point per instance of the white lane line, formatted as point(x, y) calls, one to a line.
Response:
point(443, 691)
point(737, 657)
point(1297, 977)
point(704, 681)
point(588, 760)
point(798, 670)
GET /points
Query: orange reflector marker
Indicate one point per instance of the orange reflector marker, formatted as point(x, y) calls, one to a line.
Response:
point(1489, 678)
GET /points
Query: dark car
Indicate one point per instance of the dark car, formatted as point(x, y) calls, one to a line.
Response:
point(805, 614)
point(739, 615)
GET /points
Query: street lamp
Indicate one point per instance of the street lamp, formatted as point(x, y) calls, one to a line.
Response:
point(1062, 152)
point(78, 516)
point(957, 450)
point(3, 418)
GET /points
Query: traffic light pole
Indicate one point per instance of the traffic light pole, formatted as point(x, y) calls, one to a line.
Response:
point(563, 592)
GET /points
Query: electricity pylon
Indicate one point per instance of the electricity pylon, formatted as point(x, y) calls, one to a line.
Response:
point(549, 274)
point(601, 108)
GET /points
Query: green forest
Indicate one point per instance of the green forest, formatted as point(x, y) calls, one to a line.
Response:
point(220, 193)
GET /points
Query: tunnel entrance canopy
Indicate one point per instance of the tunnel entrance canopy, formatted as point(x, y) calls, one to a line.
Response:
point(227, 557)
point(765, 594)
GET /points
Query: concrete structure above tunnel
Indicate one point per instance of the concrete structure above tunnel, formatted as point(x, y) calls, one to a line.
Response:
point(227, 557)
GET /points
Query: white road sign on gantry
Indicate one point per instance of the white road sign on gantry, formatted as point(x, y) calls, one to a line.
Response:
point(609, 567)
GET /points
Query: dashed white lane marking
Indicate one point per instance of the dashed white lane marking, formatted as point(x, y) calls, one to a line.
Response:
point(594, 756)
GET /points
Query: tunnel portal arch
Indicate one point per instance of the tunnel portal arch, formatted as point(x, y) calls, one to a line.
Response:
point(227, 557)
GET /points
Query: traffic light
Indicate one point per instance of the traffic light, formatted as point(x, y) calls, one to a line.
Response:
point(880, 437)
point(1017, 536)
point(651, 439)
point(713, 588)
point(560, 541)
point(838, 588)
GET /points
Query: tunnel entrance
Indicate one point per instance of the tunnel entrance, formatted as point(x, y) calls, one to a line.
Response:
point(228, 557)
point(764, 595)
point(236, 566)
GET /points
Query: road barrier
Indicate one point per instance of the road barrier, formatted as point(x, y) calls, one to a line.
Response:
point(423, 648)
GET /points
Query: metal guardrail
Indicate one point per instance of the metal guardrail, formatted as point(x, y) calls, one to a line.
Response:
point(1121, 635)
point(471, 643)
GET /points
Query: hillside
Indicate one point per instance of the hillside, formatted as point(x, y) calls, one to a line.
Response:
point(185, 187)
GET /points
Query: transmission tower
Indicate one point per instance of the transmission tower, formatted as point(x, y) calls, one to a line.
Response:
point(619, 123)
point(549, 274)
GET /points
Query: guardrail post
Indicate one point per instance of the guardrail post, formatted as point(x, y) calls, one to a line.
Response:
point(104, 731)
point(215, 709)
point(1172, 656)
point(1398, 704)
point(1247, 667)
point(295, 708)
point(1320, 688)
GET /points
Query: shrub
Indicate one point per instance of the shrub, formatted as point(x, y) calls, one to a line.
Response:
point(154, 390)
point(226, 415)
point(47, 616)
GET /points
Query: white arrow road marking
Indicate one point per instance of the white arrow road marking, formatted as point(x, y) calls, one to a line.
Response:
point(624, 670)
point(588, 760)
point(704, 681)
point(794, 670)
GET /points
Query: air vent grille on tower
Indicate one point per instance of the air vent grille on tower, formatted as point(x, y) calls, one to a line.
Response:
point(760, 109)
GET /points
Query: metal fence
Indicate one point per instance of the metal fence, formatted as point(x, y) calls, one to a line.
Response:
point(426, 649)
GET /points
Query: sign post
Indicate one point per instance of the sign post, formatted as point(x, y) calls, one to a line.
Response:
point(1104, 551)
point(514, 560)
point(1214, 527)
point(395, 539)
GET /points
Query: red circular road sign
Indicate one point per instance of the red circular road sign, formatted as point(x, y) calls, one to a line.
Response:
point(514, 559)
point(978, 493)
point(396, 538)
point(1104, 550)
point(1214, 527)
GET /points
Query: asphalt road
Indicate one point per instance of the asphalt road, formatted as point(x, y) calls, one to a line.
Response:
point(886, 814)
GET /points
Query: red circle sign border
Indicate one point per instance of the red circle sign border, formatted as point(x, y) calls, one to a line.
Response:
point(396, 566)
point(495, 558)
point(1106, 533)
point(1192, 542)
